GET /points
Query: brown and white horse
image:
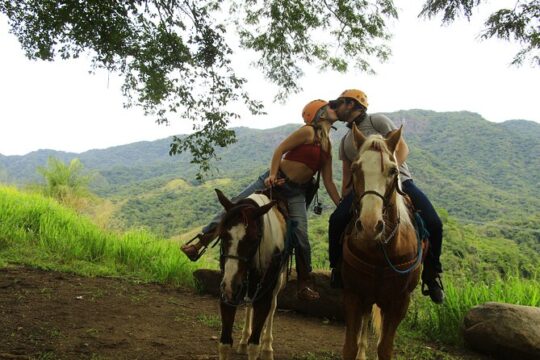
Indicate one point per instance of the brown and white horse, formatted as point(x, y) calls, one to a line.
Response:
point(381, 254)
point(253, 263)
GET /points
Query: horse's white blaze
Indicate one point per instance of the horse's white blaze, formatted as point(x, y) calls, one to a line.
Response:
point(273, 235)
point(237, 233)
point(375, 181)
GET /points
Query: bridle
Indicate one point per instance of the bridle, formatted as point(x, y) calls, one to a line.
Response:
point(386, 199)
point(387, 204)
point(242, 297)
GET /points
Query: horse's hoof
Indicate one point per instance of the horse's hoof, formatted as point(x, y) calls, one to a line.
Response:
point(242, 349)
point(267, 355)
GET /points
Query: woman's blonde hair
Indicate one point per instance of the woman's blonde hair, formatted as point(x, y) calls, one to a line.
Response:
point(322, 132)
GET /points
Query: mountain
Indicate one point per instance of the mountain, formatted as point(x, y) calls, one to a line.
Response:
point(477, 170)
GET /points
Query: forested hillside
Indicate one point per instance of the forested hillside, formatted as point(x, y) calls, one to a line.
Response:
point(480, 172)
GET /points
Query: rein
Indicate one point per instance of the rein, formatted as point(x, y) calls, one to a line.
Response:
point(386, 205)
point(243, 295)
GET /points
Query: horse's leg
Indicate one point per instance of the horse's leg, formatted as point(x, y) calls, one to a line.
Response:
point(391, 318)
point(260, 313)
point(363, 336)
point(227, 320)
point(267, 338)
point(351, 303)
point(246, 331)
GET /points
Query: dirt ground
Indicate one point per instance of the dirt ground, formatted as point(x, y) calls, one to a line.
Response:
point(52, 315)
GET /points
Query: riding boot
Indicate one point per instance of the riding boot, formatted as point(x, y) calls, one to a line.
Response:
point(304, 292)
point(432, 284)
point(196, 250)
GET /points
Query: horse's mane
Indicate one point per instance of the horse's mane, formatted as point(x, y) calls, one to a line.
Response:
point(237, 209)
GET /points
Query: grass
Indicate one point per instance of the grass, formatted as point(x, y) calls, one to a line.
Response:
point(39, 232)
point(444, 322)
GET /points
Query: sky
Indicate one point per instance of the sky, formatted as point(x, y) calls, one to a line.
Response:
point(59, 105)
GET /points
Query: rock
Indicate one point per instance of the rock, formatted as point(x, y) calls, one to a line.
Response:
point(328, 306)
point(504, 331)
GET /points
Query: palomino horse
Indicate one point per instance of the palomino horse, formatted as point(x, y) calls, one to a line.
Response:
point(381, 254)
point(253, 263)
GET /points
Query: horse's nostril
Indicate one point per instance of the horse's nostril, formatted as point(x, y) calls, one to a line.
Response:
point(358, 225)
point(380, 226)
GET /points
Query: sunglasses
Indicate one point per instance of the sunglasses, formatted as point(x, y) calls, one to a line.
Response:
point(334, 104)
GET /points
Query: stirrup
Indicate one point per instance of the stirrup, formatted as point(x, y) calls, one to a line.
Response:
point(436, 282)
point(200, 252)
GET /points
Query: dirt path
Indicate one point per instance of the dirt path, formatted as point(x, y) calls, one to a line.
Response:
point(51, 315)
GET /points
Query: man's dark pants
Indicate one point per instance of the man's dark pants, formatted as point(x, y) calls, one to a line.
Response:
point(341, 216)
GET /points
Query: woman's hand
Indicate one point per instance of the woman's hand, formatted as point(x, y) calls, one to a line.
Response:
point(273, 180)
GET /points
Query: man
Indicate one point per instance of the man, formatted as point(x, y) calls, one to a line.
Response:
point(351, 107)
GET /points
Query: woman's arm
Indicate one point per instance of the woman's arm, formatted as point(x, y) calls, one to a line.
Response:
point(328, 181)
point(301, 136)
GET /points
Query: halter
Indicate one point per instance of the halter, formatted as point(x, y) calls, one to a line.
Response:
point(386, 205)
point(243, 295)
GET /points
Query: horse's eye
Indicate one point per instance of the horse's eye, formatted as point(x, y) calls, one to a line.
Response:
point(393, 171)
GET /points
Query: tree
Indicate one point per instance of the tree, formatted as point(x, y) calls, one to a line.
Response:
point(520, 23)
point(66, 182)
point(175, 55)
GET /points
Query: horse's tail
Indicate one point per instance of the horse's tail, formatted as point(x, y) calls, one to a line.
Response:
point(376, 320)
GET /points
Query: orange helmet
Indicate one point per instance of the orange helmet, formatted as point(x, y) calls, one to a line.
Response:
point(357, 95)
point(311, 109)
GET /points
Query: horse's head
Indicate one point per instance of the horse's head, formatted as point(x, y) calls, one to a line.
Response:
point(241, 233)
point(375, 180)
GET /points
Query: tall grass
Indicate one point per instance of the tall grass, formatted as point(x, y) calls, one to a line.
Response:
point(38, 231)
point(444, 322)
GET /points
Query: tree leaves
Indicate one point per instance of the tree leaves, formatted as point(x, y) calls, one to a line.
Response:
point(175, 55)
point(520, 23)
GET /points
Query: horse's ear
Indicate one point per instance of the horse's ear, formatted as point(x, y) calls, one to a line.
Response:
point(227, 204)
point(359, 138)
point(393, 139)
point(263, 209)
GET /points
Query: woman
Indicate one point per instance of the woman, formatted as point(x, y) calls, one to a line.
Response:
point(295, 161)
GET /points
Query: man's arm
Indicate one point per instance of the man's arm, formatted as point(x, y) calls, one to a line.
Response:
point(384, 126)
point(346, 179)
